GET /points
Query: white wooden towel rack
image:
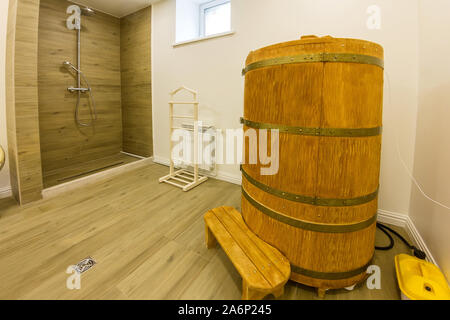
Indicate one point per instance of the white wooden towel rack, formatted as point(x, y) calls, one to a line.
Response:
point(183, 178)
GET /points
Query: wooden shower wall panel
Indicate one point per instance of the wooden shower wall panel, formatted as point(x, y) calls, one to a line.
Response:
point(136, 83)
point(22, 100)
point(63, 142)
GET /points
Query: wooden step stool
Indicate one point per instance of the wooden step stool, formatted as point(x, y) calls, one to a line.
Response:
point(264, 270)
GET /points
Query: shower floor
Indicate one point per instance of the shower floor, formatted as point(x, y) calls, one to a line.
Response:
point(81, 170)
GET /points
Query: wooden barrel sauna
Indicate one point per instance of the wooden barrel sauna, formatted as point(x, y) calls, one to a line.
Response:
point(325, 97)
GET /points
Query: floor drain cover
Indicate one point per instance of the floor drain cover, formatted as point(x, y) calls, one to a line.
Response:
point(84, 265)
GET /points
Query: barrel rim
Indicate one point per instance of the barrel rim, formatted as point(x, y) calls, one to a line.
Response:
point(320, 40)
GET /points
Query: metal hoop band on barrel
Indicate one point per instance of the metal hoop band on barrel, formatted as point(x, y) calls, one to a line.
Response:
point(320, 132)
point(324, 202)
point(305, 225)
point(318, 57)
point(330, 275)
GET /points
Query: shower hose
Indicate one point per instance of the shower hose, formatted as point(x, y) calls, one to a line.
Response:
point(94, 117)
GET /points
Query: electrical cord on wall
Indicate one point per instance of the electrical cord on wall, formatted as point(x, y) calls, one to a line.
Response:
point(385, 229)
point(397, 145)
point(417, 252)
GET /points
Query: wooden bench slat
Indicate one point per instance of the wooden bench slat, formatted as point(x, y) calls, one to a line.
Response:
point(255, 250)
point(280, 261)
point(242, 263)
point(263, 268)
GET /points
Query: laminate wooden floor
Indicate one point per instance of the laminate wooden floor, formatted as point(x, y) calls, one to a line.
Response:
point(147, 239)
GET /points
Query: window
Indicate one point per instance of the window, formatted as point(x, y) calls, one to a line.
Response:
point(215, 17)
point(202, 19)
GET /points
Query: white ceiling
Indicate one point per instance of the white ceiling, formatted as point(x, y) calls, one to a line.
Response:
point(117, 8)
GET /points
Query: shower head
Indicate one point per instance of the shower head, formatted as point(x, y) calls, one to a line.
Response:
point(86, 11)
point(68, 65)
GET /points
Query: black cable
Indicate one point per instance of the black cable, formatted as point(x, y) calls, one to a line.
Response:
point(417, 252)
point(391, 240)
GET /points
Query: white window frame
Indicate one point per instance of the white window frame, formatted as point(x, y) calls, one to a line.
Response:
point(205, 6)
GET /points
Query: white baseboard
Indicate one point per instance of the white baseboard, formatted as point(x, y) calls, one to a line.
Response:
point(231, 178)
point(404, 221)
point(161, 160)
point(61, 188)
point(392, 218)
point(5, 192)
point(219, 176)
point(418, 240)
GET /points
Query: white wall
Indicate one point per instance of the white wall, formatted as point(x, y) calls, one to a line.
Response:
point(432, 158)
point(5, 185)
point(188, 15)
point(214, 68)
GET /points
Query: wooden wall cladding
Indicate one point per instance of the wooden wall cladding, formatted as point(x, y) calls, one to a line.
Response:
point(135, 61)
point(42, 133)
point(63, 142)
point(22, 100)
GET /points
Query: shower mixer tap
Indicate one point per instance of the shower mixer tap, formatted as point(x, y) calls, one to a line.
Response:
point(82, 90)
point(68, 65)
